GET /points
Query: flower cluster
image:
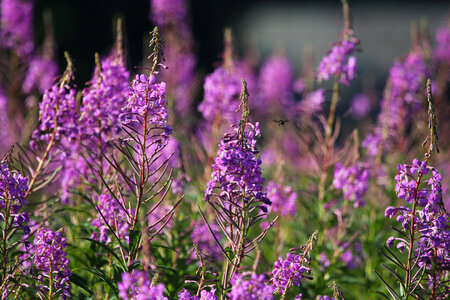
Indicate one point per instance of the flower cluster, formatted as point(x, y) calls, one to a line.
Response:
point(221, 94)
point(325, 297)
point(430, 220)
point(288, 272)
point(110, 216)
point(17, 26)
point(57, 114)
point(252, 289)
point(171, 18)
point(353, 181)
point(51, 262)
point(442, 51)
point(360, 106)
point(146, 97)
point(167, 11)
point(41, 74)
point(312, 102)
point(204, 295)
point(136, 286)
point(405, 93)
point(104, 99)
point(237, 170)
point(275, 97)
point(339, 62)
point(371, 143)
point(13, 188)
point(283, 199)
point(206, 243)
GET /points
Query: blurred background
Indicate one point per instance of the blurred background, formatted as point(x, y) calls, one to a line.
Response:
point(259, 26)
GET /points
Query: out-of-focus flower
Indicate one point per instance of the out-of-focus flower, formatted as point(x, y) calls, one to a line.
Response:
point(41, 74)
point(17, 26)
point(136, 286)
point(360, 106)
point(252, 289)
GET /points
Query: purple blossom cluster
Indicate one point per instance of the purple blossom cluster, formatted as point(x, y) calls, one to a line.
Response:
point(204, 295)
point(41, 74)
point(442, 50)
point(57, 115)
point(253, 288)
point(5, 133)
point(110, 216)
point(164, 12)
point(276, 97)
point(353, 181)
point(312, 102)
point(103, 100)
point(283, 199)
point(430, 220)
point(146, 97)
point(236, 171)
point(171, 17)
point(221, 95)
point(339, 62)
point(51, 262)
point(17, 26)
point(360, 106)
point(13, 188)
point(206, 243)
point(371, 143)
point(137, 286)
point(288, 272)
point(325, 297)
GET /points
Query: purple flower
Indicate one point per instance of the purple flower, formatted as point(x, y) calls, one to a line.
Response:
point(312, 102)
point(17, 26)
point(103, 100)
point(353, 181)
point(168, 11)
point(204, 295)
point(275, 85)
point(13, 188)
point(137, 286)
point(360, 106)
point(283, 199)
point(324, 297)
point(110, 216)
point(221, 95)
point(57, 113)
point(236, 171)
point(206, 243)
point(371, 143)
point(430, 221)
point(252, 289)
point(339, 62)
point(146, 97)
point(41, 74)
point(442, 50)
point(287, 272)
point(50, 258)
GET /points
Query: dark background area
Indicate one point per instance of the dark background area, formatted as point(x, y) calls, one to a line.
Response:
point(84, 27)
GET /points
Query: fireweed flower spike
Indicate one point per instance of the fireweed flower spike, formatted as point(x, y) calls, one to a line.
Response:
point(241, 199)
point(288, 272)
point(137, 286)
point(252, 289)
point(144, 122)
point(57, 120)
point(13, 187)
point(427, 238)
point(17, 26)
point(52, 264)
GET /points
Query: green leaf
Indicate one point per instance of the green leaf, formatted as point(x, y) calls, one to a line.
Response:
point(111, 251)
point(81, 282)
point(134, 237)
point(103, 277)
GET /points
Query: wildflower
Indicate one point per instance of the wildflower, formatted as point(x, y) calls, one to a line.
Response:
point(288, 272)
point(110, 216)
point(51, 262)
point(252, 289)
point(136, 286)
point(353, 181)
